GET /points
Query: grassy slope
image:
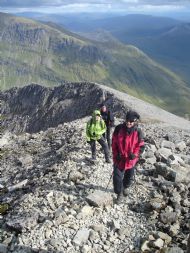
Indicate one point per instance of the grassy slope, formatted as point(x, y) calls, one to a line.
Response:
point(25, 60)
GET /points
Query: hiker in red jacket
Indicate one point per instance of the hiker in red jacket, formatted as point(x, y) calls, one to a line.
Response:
point(127, 145)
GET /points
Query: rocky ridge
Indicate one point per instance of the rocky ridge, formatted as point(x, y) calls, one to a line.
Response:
point(34, 107)
point(61, 202)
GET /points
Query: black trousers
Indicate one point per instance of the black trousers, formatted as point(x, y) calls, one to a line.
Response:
point(122, 179)
point(104, 146)
point(106, 135)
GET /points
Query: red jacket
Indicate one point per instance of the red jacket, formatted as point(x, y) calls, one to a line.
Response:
point(124, 142)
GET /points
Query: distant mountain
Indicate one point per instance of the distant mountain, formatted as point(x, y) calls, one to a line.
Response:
point(166, 40)
point(134, 23)
point(50, 55)
point(170, 47)
point(143, 31)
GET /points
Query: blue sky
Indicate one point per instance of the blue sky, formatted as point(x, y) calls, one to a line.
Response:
point(62, 6)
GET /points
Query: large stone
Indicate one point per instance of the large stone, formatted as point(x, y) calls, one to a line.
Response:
point(163, 170)
point(86, 211)
point(75, 176)
point(148, 154)
point(182, 173)
point(18, 224)
point(164, 153)
point(159, 243)
point(175, 160)
point(60, 217)
point(99, 198)
point(81, 236)
point(175, 198)
point(145, 247)
point(174, 229)
point(164, 237)
point(98, 228)
point(174, 137)
point(180, 146)
point(186, 159)
point(168, 217)
point(3, 248)
point(151, 160)
point(5, 139)
point(86, 249)
point(26, 161)
point(167, 144)
point(157, 203)
point(17, 186)
point(172, 250)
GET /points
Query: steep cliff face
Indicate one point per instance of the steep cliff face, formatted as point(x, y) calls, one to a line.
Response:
point(45, 38)
point(34, 108)
point(24, 34)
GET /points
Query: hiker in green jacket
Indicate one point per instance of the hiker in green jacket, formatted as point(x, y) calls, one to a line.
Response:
point(95, 129)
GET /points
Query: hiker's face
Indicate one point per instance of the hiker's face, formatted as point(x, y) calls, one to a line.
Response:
point(104, 108)
point(97, 117)
point(130, 123)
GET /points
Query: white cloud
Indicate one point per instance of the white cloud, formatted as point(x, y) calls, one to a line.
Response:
point(57, 6)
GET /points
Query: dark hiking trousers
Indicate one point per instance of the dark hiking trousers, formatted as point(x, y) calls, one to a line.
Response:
point(104, 146)
point(122, 179)
point(106, 135)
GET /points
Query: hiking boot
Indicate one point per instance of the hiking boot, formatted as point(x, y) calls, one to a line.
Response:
point(108, 160)
point(119, 199)
point(125, 192)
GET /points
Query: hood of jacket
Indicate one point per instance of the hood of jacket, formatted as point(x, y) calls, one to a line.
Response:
point(96, 112)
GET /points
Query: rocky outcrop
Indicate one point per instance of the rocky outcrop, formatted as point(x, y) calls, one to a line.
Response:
point(34, 107)
point(47, 38)
point(25, 34)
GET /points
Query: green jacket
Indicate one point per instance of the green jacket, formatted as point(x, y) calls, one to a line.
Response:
point(95, 128)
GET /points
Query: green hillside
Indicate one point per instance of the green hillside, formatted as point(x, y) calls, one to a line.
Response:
point(47, 54)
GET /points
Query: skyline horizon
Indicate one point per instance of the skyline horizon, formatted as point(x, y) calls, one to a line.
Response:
point(184, 16)
point(149, 7)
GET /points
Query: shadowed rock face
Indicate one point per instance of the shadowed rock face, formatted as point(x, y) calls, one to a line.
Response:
point(34, 108)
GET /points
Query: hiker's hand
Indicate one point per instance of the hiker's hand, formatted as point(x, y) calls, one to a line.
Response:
point(120, 157)
point(132, 156)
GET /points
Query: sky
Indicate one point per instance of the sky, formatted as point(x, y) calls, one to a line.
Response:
point(67, 6)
